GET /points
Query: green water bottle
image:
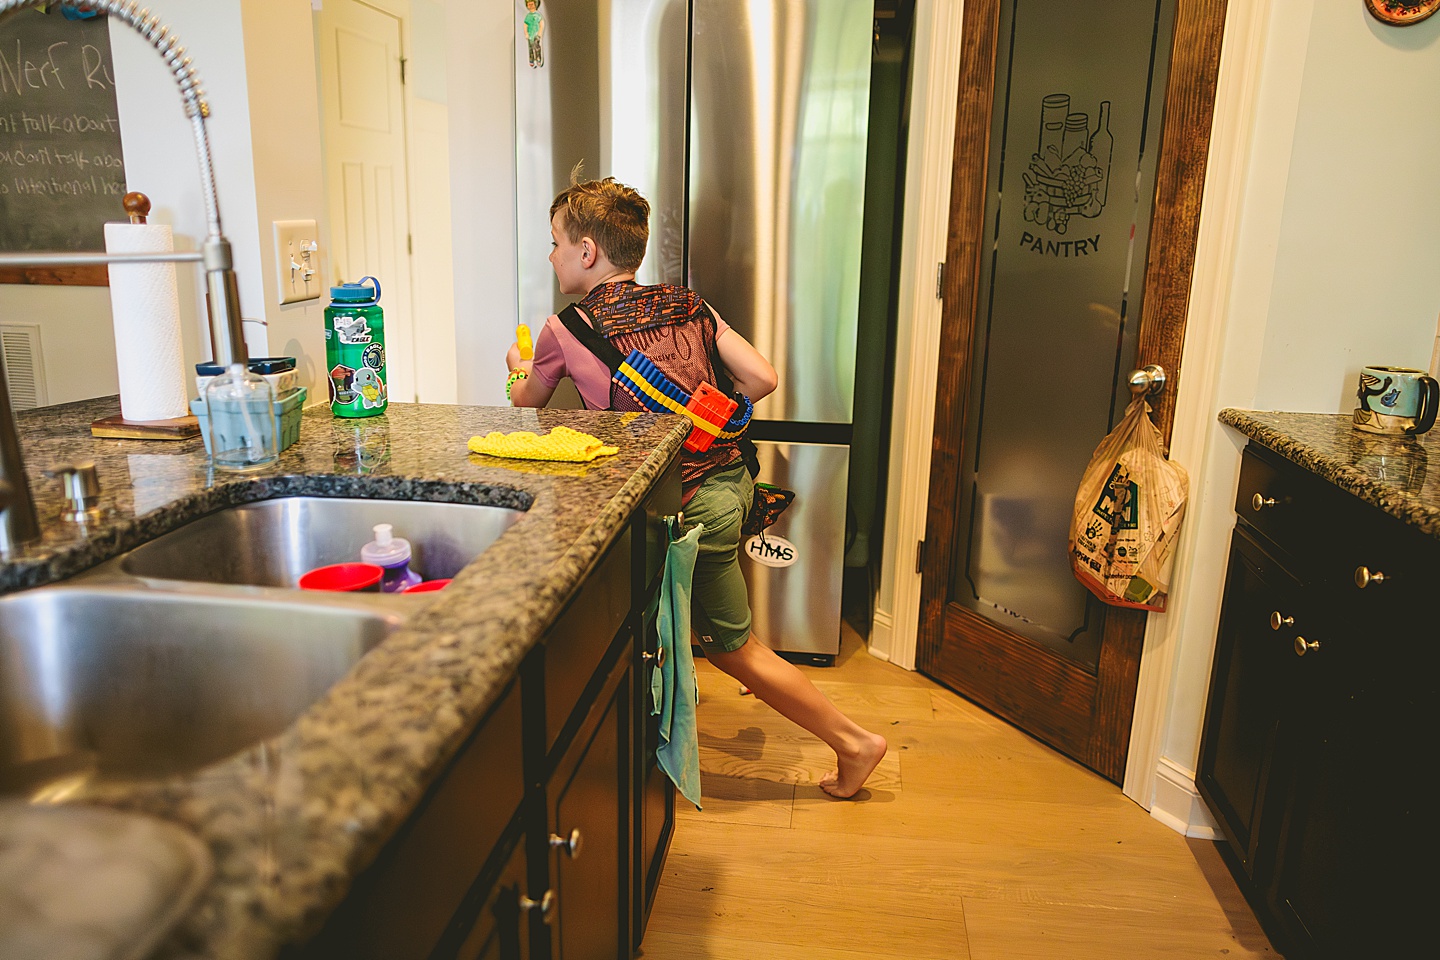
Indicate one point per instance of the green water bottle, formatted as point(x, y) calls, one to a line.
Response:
point(355, 349)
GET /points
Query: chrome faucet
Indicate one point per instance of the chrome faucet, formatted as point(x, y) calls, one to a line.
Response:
point(18, 523)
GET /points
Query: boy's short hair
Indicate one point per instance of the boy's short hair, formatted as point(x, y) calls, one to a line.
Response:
point(612, 214)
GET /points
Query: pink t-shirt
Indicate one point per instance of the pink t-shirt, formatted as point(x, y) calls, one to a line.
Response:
point(558, 354)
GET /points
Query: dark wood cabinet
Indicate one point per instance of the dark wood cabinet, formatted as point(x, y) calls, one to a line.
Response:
point(1324, 661)
point(588, 836)
point(545, 837)
point(500, 930)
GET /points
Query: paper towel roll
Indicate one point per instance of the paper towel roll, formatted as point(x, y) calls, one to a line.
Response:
point(145, 305)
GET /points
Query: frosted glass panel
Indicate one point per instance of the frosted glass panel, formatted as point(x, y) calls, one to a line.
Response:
point(1074, 137)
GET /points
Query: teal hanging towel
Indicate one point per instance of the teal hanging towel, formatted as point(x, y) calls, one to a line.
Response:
point(674, 691)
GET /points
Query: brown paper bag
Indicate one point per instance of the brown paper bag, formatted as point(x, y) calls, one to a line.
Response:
point(1127, 515)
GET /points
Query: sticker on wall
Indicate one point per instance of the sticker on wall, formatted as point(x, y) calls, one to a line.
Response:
point(771, 551)
point(1069, 173)
point(534, 33)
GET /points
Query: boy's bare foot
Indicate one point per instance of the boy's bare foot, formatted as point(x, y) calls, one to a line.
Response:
point(854, 770)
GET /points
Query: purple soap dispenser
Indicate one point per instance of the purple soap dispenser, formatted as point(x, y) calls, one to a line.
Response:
point(392, 553)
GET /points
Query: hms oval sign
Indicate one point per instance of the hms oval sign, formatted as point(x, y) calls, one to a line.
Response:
point(772, 551)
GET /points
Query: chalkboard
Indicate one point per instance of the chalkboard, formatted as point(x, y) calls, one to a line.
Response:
point(62, 171)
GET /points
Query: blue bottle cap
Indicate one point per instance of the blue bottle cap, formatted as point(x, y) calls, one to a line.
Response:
point(357, 293)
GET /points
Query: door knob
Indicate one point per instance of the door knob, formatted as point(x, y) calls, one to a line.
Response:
point(657, 658)
point(1277, 621)
point(546, 906)
point(1303, 646)
point(1260, 502)
point(570, 845)
point(1148, 379)
point(1364, 576)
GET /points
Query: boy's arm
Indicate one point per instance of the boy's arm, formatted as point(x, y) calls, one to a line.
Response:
point(531, 391)
point(752, 373)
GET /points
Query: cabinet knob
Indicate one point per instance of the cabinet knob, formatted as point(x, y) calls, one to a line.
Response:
point(657, 658)
point(546, 906)
point(1260, 501)
point(570, 845)
point(1364, 576)
point(1303, 646)
point(1277, 621)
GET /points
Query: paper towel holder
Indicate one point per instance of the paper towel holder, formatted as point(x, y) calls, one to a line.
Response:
point(187, 427)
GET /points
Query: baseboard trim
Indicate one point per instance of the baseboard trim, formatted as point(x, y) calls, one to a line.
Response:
point(882, 635)
point(1177, 804)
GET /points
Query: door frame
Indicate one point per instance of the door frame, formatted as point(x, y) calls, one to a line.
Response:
point(1180, 180)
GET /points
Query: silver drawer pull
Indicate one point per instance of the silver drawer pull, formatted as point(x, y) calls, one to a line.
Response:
point(570, 845)
point(546, 906)
point(1303, 646)
point(1260, 501)
point(1277, 621)
point(657, 658)
point(1364, 576)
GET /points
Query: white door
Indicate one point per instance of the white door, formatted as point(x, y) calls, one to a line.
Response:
point(363, 124)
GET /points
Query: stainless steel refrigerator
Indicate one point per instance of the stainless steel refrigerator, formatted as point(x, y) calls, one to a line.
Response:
point(744, 123)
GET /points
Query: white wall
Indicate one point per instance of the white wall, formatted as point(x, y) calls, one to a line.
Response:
point(481, 93)
point(1329, 263)
point(432, 225)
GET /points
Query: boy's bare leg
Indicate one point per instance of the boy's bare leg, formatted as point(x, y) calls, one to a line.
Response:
point(780, 683)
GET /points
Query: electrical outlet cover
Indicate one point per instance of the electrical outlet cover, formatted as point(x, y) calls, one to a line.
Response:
point(297, 260)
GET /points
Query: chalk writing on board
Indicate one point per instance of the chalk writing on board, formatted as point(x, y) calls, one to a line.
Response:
point(62, 170)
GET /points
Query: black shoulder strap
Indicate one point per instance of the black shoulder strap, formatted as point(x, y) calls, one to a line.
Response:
point(590, 338)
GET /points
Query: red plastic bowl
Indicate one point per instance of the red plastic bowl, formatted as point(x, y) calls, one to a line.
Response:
point(429, 586)
point(347, 577)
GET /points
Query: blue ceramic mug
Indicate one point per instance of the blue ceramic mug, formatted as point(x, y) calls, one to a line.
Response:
point(1396, 401)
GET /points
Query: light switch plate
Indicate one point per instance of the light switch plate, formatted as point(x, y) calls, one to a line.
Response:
point(297, 260)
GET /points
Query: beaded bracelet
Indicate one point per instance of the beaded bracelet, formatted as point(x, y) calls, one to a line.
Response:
point(516, 375)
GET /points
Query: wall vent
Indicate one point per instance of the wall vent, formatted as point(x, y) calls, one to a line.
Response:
point(24, 365)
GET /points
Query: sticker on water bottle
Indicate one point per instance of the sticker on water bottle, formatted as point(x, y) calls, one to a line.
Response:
point(352, 330)
point(371, 388)
point(342, 381)
point(374, 356)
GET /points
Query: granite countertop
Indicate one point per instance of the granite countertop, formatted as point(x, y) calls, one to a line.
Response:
point(1389, 472)
point(290, 823)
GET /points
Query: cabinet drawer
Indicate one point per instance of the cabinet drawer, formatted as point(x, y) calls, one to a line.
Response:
point(1288, 505)
point(578, 641)
point(1333, 538)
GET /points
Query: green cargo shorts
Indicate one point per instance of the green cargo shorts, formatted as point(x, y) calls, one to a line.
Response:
point(719, 601)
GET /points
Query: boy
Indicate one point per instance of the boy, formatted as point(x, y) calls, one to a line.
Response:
point(599, 229)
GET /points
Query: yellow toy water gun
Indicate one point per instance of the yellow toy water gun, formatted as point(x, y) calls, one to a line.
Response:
point(522, 338)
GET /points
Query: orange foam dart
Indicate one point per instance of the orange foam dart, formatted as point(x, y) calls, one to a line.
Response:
point(714, 408)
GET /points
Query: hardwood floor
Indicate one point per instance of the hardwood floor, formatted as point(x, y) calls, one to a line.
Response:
point(974, 843)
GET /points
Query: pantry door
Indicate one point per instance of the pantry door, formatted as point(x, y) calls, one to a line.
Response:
point(1080, 147)
point(362, 75)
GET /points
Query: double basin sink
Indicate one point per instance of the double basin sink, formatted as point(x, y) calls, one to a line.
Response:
point(199, 644)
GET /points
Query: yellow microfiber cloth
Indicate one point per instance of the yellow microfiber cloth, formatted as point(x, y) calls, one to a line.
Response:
point(562, 444)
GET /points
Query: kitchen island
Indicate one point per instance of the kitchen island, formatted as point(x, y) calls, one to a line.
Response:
point(1323, 683)
point(292, 823)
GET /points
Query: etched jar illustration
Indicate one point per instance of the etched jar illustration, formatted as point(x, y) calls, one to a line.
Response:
point(1070, 173)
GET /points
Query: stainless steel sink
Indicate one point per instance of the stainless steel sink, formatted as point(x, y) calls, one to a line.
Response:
point(273, 542)
point(128, 683)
